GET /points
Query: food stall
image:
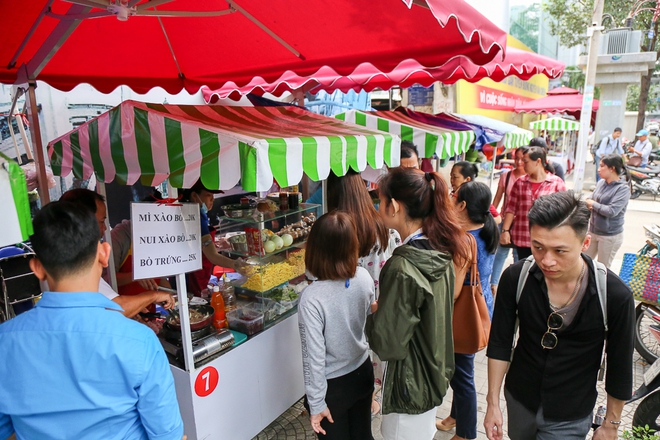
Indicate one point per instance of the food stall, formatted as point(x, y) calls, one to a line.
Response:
point(430, 139)
point(235, 392)
point(511, 137)
point(563, 134)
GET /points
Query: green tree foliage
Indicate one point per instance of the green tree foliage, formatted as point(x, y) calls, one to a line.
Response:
point(632, 101)
point(525, 26)
point(570, 19)
point(573, 77)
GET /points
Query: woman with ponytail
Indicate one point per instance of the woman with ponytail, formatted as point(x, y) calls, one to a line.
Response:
point(608, 206)
point(538, 182)
point(471, 203)
point(411, 328)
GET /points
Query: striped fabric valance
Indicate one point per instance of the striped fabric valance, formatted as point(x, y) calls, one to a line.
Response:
point(517, 138)
point(555, 124)
point(429, 139)
point(222, 145)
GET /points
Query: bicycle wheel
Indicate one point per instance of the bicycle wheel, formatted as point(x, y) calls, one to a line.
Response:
point(645, 343)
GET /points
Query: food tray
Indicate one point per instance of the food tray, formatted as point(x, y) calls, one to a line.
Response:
point(238, 211)
point(246, 320)
point(275, 296)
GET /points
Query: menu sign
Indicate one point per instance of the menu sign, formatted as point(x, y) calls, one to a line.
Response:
point(166, 239)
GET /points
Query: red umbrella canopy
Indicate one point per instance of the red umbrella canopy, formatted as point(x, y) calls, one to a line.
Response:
point(179, 44)
point(555, 104)
point(563, 90)
point(367, 77)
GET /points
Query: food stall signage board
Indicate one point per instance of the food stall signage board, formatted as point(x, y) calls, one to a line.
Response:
point(206, 382)
point(419, 95)
point(166, 239)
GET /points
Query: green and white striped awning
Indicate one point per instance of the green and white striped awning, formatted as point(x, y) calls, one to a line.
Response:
point(222, 145)
point(517, 138)
point(434, 140)
point(555, 124)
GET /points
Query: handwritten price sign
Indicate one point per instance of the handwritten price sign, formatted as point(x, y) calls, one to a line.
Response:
point(166, 239)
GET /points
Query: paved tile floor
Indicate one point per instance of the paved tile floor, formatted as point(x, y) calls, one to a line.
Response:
point(295, 425)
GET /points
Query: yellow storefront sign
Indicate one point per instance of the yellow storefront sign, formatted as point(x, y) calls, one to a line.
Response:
point(497, 100)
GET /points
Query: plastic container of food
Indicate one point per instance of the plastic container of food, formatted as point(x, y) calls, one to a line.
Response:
point(246, 320)
point(285, 296)
point(237, 211)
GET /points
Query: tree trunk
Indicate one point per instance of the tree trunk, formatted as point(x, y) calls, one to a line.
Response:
point(644, 87)
point(645, 84)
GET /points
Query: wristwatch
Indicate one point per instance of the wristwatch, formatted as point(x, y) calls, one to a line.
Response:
point(505, 230)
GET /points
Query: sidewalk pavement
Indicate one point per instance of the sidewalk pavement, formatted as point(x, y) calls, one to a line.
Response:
point(643, 211)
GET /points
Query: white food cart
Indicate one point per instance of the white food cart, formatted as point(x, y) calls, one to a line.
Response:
point(237, 393)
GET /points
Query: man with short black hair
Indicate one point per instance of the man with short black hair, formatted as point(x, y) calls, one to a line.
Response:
point(77, 367)
point(409, 155)
point(608, 145)
point(551, 379)
point(131, 304)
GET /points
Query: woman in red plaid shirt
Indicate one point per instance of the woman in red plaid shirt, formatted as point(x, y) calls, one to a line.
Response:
point(538, 182)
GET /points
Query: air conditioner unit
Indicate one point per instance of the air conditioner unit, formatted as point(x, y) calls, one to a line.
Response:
point(620, 41)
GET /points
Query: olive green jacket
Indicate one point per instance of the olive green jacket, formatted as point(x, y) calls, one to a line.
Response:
point(412, 329)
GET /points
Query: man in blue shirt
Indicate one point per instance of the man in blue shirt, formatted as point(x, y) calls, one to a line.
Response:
point(74, 366)
point(642, 148)
point(608, 145)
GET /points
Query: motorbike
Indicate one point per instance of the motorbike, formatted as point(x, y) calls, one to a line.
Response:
point(647, 344)
point(644, 183)
point(645, 180)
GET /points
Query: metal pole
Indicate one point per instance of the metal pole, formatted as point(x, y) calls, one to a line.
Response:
point(35, 131)
point(112, 270)
point(13, 138)
point(182, 297)
point(26, 142)
point(492, 171)
point(587, 101)
point(14, 103)
point(324, 192)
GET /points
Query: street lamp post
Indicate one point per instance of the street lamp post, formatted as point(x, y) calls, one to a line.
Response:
point(587, 101)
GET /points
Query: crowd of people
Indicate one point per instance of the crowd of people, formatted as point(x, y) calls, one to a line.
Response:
point(377, 324)
point(418, 271)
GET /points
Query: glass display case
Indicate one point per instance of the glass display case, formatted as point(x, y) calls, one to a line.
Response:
point(272, 243)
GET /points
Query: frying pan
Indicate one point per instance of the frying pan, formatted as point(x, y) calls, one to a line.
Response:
point(206, 310)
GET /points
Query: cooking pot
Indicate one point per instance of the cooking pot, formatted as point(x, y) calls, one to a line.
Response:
point(206, 310)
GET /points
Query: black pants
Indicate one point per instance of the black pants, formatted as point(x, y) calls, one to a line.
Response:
point(349, 400)
point(523, 252)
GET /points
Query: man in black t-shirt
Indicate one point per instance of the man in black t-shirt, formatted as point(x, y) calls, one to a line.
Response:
point(551, 379)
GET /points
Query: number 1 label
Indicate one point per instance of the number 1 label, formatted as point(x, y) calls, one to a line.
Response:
point(206, 382)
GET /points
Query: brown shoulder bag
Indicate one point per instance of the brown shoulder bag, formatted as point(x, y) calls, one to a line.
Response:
point(471, 322)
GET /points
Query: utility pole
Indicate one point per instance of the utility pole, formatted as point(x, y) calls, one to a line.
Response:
point(587, 102)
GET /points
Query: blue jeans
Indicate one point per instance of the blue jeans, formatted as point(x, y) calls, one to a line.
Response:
point(597, 165)
point(464, 402)
point(498, 263)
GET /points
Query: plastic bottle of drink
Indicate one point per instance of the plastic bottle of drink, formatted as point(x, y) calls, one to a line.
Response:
point(228, 295)
point(206, 293)
point(219, 317)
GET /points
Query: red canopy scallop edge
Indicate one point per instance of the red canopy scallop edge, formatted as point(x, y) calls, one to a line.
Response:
point(519, 63)
point(68, 42)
